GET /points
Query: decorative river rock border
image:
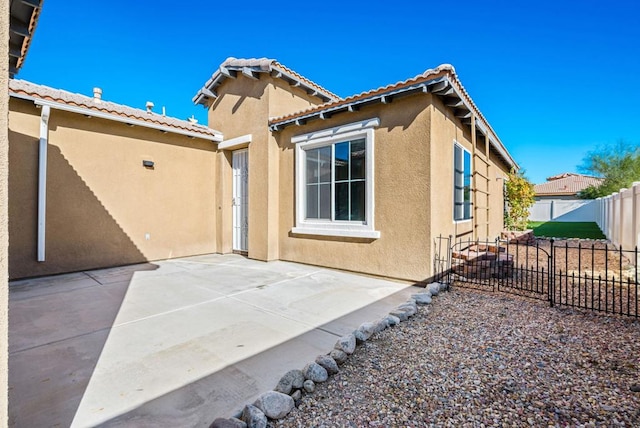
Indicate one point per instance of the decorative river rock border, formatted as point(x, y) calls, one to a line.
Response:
point(286, 395)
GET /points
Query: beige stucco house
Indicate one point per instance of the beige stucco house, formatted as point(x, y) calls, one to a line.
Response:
point(18, 21)
point(285, 170)
point(363, 183)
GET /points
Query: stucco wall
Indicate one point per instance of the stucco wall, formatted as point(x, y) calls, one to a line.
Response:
point(103, 207)
point(401, 196)
point(244, 106)
point(499, 172)
point(445, 128)
point(4, 210)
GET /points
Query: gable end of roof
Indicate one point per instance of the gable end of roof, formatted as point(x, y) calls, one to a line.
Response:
point(253, 68)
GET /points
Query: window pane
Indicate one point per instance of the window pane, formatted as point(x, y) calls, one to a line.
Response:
point(462, 179)
point(458, 212)
point(312, 201)
point(357, 159)
point(467, 169)
point(312, 166)
point(342, 161)
point(467, 185)
point(324, 164)
point(342, 201)
point(357, 200)
point(325, 201)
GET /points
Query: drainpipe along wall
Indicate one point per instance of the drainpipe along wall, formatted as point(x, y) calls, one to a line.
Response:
point(42, 180)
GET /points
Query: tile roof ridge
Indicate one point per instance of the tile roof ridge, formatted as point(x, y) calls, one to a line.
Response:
point(278, 64)
point(258, 65)
point(571, 176)
point(266, 63)
point(80, 100)
point(415, 79)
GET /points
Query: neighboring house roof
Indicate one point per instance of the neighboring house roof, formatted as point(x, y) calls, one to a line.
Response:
point(94, 106)
point(567, 183)
point(251, 68)
point(441, 81)
point(22, 24)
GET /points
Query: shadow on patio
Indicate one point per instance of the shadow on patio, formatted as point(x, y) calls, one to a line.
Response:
point(194, 339)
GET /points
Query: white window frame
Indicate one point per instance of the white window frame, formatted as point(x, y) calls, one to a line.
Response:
point(326, 137)
point(464, 149)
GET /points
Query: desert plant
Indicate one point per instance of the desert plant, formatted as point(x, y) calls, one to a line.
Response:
point(519, 197)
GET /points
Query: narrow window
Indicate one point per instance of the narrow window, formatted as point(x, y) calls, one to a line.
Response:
point(462, 205)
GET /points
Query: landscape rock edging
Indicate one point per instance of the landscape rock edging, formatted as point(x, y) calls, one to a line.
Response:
point(283, 399)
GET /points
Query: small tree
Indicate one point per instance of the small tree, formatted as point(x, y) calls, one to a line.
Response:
point(519, 197)
point(618, 164)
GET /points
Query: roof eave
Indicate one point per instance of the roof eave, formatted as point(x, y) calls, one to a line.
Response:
point(230, 72)
point(216, 137)
point(442, 86)
point(557, 194)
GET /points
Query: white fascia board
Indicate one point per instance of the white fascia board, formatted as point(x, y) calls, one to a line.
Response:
point(235, 143)
point(137, 122)
point(484, 129)
point(423, 86)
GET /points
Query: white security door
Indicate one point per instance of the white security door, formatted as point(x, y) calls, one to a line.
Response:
point(240, 200)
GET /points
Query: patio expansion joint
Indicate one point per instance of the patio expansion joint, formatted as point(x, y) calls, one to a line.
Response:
point(53, 342)
point(233, 296)
point(72, 290)
point(281, 315)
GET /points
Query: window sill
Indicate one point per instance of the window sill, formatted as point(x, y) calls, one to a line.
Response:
point(463, 221)
point(371, 234)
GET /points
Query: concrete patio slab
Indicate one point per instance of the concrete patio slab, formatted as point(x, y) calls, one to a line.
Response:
point(177, 342)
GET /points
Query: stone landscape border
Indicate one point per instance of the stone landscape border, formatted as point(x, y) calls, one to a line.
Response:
point(288, 392)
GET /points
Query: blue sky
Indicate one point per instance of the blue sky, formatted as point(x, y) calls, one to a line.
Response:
point(555, 79)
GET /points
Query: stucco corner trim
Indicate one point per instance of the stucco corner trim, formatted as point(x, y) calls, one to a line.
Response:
point(235, 143)
point(345, 233)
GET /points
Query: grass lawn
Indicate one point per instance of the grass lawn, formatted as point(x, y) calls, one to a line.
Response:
point(563, 229)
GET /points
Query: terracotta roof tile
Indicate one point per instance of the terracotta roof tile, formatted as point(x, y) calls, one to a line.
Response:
point(264, 65)
point(446, 71)
point(301, 77)
point(427, 75)
point(25, 88)
point(566, 184)
point(28, 13)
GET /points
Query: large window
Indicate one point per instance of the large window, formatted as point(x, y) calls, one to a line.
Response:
point(462, 203)
point(334, 181)
point(337, 169)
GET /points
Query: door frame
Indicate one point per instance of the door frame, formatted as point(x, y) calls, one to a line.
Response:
point(240, 201)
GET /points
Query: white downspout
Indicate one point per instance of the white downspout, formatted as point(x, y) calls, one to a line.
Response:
point(42, 179)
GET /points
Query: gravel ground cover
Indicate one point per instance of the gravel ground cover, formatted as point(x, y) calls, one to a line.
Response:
point(475, 359)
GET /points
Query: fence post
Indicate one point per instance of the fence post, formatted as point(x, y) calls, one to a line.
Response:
point(635, 215)
point(449, 261)
point(551, 272)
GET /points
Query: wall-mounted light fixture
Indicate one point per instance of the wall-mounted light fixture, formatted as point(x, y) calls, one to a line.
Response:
point(148, 164)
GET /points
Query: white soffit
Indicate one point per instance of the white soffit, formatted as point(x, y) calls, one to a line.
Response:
point(235, 143)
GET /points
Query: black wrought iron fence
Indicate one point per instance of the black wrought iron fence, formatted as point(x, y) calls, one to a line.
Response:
point(590, 275)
